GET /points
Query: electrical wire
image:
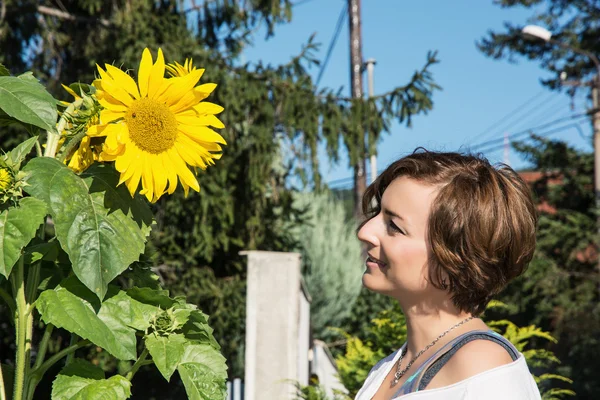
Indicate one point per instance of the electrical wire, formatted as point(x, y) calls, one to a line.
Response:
point(334, 38)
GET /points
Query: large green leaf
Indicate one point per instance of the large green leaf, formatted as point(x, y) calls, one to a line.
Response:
point(166, 352)
point(17, 227)
point(81, 380)
point(203, 372)
point(64, 309)
point(100, 226)
point(28, 101)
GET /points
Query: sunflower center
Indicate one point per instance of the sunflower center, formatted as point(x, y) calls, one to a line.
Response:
point(152, 126)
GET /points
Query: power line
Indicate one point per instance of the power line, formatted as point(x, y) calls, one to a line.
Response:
point(542, 134)
point(526, 131)
point(507, 116)
point(334, 38)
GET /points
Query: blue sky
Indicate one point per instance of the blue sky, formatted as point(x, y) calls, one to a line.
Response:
point(477, 91)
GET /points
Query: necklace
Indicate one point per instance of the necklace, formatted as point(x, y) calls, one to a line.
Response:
point(400, 373)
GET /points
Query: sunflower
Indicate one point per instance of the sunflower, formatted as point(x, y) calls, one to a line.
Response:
point(158, 127)
point(176, 69)
point(6, 179)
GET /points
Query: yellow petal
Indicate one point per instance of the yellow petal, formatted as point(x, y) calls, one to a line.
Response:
point(205, 89)
point(147, 180)
point(71, 92)
point(181, 86)
point(159, 175)
point(112, 88)
point(182, 170)
point(107, 116)
point(189, 156)
point(203, 133)
point(157, 75)
point(208, 108)
point(109, 102)
point(144, 72)
point(134, 181)
point(123, 80)
point(170, 170)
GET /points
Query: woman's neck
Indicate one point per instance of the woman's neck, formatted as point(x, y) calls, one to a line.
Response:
point(425, 323)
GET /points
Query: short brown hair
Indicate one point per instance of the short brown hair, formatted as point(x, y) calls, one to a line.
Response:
point(482, 223)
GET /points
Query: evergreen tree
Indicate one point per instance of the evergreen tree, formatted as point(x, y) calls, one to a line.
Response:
point(332, 261)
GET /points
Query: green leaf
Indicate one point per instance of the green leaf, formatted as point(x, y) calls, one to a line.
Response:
point(64, 309)
point(166, 352)
point(198, 330)
point(159, 298)
point(28, 101)
point(4, 71)
point(100, 226)
point(18, 154)
point(81, 380)
point(130, 312)
point(17, 227)
point(203, 372)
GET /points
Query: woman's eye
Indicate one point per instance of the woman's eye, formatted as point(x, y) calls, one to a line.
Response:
point(394, 228)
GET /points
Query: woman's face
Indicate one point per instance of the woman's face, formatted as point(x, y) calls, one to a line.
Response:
point(396, 240)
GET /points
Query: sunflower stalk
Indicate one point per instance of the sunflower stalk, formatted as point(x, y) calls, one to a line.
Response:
point(54, 138)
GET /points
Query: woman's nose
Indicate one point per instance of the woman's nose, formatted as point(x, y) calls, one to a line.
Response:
point(368, 234)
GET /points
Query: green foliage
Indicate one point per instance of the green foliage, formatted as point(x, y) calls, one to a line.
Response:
point(332, 261)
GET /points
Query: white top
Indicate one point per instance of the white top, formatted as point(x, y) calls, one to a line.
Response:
point(510, 381)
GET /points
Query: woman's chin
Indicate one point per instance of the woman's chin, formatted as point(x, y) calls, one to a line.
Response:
point(373, 283)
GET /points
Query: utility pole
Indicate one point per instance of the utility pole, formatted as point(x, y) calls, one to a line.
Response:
point(370, 63)
point(356, 85)
point(506, 149)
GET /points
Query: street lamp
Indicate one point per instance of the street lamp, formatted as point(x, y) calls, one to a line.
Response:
point(534, 32)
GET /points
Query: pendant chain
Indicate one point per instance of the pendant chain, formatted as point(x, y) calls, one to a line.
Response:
point(400, 373)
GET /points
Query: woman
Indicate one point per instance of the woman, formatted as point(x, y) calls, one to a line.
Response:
point(444, 233)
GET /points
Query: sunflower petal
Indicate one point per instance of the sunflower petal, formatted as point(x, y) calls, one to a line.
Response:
point(123, 80)
point(144, 72)
point(208, 108)
point(203, 133)
point(157, 75)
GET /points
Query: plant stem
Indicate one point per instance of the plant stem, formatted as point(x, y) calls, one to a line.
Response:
point(39, 371)
point(2, 389)
point(70, 356)
point(53, 138)
point(140, 361)
point(38, 148)
point(21, 317)
point(43, 346)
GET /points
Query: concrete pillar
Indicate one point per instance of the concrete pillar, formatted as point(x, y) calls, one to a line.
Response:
point(274, 311)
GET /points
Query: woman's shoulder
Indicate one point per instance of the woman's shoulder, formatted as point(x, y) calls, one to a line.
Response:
point(471, 359)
